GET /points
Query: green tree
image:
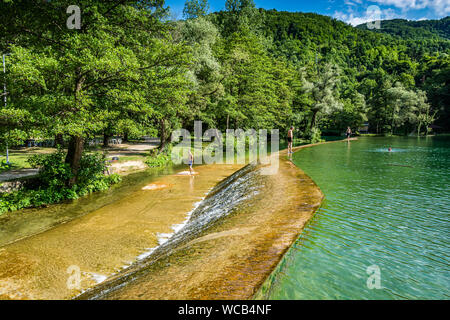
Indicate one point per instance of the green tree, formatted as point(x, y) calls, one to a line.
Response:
point(257, 93)
point(239, 15)
point(66, 78)
point(323, 92)
point(14, 124)
point(434, 80)
point(206, 70)
point(400, 105)
point(425, 116)
point(195, 8)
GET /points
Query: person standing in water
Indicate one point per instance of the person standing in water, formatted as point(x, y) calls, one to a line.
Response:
point(290, 139)
point(348, 133)
point(191, 162)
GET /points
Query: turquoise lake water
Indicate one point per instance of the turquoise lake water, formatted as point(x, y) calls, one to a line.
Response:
point(386, 211)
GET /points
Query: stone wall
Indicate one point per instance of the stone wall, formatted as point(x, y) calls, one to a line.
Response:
point(10, 186)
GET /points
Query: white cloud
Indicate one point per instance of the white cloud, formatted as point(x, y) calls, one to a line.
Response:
point(440, 6)
point(398, 9)
point(353, 2)
point(355, 20)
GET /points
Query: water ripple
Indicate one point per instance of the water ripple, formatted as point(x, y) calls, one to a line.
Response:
point(385, 209)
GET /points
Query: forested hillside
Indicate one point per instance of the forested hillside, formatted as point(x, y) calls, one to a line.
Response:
point(416, 30)
point(372, 71)
point(131, 71)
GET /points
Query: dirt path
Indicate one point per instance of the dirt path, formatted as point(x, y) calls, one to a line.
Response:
point(127, 149)
point(17, 174)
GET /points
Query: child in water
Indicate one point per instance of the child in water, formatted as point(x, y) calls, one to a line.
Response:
point(390, 149)
point(191, 162)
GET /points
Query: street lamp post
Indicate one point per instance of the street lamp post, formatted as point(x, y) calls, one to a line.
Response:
point(4, 91)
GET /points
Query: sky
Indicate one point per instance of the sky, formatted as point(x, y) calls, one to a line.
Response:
point(351, 11)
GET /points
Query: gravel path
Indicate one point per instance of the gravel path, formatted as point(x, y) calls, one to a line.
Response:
point(17, 174)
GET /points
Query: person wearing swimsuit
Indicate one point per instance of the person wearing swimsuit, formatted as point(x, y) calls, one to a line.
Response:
point(349, 133)
point(290, 139)
point(191, 162)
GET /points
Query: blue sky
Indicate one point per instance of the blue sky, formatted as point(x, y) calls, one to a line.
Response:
point(351, 11)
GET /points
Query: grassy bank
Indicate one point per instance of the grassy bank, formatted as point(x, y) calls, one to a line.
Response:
point(18, 158)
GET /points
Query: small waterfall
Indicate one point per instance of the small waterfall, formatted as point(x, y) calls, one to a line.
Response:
point(221, 201)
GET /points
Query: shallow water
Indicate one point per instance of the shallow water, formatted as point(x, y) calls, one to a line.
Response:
point(20, 224)
point(222, 200)
point(101, 235)
point(385, 209)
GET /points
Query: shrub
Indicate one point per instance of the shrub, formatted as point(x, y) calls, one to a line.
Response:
point(53, 171)
point(51, 186)
point(4, 166)
point(316, 136)
point(158, 160)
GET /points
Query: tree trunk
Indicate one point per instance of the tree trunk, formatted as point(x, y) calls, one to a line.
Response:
point(76, 144)
point(392, 126)
point(218, 138)
point(228, 121)
point(313, 120)
point(393, 122)
point(106, 140)
point(59, 140)
point(162, 124)
point(125, 137)
point(73, 158)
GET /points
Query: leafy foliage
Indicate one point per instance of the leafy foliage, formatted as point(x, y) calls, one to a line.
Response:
point(415, 30)
point(159, 160)
point(195, 9)
point(130, 71)
point(4, 166)
point(51, 185)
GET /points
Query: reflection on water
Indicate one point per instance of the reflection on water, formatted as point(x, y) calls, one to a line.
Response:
point(396, 217)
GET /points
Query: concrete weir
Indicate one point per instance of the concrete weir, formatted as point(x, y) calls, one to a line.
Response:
point(231, 244)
